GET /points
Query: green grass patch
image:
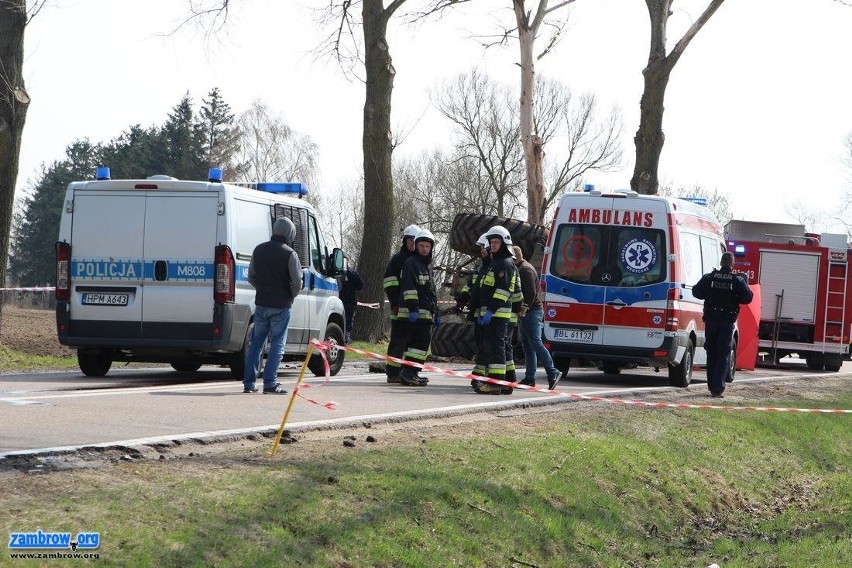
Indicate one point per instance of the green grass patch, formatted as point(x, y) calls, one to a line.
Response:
point(380, 348)
point(622, 486)
point(11, 360)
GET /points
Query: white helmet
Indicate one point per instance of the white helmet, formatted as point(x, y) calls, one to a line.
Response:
point(501, 232)
point(410, 231)
point(482, 240)
point(424, 235)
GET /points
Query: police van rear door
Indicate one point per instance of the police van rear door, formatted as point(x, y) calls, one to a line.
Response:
point(178, 248)
point(107, 263)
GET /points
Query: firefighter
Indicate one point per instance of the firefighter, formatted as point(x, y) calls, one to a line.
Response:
point(469, 296)
point(495, 300)
point(398, 340)
point(723, 291)
point(418, 307)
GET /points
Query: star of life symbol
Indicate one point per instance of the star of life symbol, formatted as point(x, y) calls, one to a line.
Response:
point(551, 313)
point(638, 255)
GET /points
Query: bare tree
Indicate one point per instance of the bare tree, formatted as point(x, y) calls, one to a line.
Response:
point(529, 25)
point(14, 103)
point(271, 150)
point(719, 203)
point(487, 124)
point(649, 138)
point(484, 119)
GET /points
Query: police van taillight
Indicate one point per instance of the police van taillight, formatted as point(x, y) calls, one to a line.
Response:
point(63, 272)
point(223, 289)
point(672, 309)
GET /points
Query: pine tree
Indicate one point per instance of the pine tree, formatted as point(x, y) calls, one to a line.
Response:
point(221, 137)
point(182, 144)
point(32, 259)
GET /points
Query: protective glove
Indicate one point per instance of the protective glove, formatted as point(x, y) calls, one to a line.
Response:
point(412, 316)
point(485, 318)
point(437, 320)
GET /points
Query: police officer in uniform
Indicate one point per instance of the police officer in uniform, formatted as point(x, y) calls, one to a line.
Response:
point(418, 306)
point(723, 291)
point(398, 339)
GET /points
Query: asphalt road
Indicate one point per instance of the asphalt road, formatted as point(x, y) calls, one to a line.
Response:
point(58, 411)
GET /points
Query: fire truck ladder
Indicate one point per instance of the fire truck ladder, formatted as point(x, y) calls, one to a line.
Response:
point(835, 302)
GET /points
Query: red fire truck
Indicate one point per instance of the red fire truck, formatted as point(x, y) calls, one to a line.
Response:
point(804, 289)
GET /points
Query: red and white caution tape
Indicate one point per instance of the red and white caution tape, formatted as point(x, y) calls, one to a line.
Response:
point(30, 289)
point(322, 347)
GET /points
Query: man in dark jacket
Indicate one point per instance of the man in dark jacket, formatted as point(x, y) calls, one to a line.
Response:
point(350, 284)
point(276, 275)
point(531, 319)
point(722, 291)
point(418, 306)
point(398, 339)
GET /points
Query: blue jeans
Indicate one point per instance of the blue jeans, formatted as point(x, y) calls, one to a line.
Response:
point(268, 323)
point(531, 326)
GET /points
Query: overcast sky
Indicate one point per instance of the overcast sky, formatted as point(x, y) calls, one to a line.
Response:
point(758, 107)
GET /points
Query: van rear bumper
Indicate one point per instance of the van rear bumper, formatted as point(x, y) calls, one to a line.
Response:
point(224, 334)
point(666, 353)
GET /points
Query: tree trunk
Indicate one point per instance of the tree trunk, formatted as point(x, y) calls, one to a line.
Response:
point(378, 180)
point(649, 138)
point(533, 150)
point(14, 102)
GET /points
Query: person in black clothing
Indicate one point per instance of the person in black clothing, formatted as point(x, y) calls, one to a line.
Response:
point(469, 296)
point(723, 291)
point(398, 339)
point(276, 274)
point(418, 307)
point(495, 300)
point(350, 285)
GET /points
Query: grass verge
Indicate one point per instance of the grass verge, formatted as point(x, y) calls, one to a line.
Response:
point(17, 361)
point(598, 486)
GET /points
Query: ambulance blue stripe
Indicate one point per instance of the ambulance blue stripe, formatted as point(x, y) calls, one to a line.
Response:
point(591, 294)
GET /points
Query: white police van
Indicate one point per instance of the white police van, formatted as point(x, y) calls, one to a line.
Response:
point(156, 270)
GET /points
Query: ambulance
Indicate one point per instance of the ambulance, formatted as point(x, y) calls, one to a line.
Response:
point(617, 279)
point(156, 270)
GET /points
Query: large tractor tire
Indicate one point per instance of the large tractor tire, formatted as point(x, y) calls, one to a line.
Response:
point(454, 340)
point(467, 228)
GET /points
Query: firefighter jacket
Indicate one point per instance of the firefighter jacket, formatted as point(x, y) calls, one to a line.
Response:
point(418, 288)
point(497, 287)
point(722, 291)
point(470, 293)
point(392, 275)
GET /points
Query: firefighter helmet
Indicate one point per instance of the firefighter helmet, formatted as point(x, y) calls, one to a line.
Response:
point(501, 232)
point(482, 240)
point(410, 232)
point(424, 235)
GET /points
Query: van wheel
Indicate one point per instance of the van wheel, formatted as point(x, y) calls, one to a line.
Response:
point(611, 369)
point(93, 362)
point(815, 362)
point(562, 364)
point(237, 362)
point(732, 366)
point(186, 367)
point(333, 335)
point(681, 375)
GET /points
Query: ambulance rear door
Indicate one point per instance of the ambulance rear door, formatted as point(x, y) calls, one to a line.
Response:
point(635, 277)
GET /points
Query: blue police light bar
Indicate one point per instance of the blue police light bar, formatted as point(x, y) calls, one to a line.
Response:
point(214, 175)
point(280, 187)
point(589, 187)
point(696, 200)
point(102, 173)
